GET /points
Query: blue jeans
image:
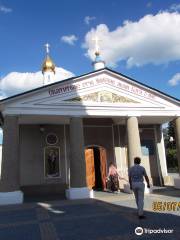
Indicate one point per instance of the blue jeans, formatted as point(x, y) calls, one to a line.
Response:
point(138, 189)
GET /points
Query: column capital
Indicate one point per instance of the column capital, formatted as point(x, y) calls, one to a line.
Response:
point(177, 119)
point(134, 115)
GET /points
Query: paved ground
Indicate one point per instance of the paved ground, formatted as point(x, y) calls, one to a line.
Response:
point(107, 217)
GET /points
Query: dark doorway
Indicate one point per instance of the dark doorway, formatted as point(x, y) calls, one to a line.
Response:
point(96, 167)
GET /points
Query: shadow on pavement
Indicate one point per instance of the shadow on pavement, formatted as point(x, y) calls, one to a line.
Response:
point(82, 220)
point(43, 198)
point(167, 191)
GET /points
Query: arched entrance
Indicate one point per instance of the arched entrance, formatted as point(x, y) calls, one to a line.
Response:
point(96, 171)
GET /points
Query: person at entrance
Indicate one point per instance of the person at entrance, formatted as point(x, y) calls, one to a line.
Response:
point(137, 174)
point(113, 178)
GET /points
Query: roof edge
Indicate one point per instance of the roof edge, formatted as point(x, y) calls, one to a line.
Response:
point(49, 85)
point(145, 85)
point(86, 74)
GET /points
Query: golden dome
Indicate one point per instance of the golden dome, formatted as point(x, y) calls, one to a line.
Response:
point(48, 65)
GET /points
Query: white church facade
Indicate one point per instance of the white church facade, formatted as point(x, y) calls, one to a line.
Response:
point(61, 138)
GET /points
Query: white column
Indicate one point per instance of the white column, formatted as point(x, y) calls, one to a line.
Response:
point(9, 184)
point(78, 187)
point(134, 145)
point(162, 177)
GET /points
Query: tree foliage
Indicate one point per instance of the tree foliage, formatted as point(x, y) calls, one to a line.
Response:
point(170, 146)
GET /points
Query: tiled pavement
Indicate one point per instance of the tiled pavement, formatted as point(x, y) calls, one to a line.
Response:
point(107, 217)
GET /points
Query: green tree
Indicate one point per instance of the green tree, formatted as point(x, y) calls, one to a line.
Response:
point(171, 133)
point(170, 145)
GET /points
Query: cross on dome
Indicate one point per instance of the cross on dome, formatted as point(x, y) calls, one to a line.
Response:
point(48, 67)
point(96, 39)
point(98, 63)
point(47, 46)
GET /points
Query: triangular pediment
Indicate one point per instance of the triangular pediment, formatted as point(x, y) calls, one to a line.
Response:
point(98, 93)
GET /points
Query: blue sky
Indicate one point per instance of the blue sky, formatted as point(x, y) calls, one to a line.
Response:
point(28, 25)
point(140, 39)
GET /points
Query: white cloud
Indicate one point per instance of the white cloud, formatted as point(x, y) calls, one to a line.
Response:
point(88, 19)
point(5, 9)
point(16, 82)
point(175, 7)
point(153, 39)
point(70, 39)
point(175, 80)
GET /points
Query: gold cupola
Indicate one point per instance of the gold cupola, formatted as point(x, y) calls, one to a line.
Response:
point(48, 65)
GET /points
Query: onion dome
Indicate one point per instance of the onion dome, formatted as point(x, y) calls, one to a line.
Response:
point(98, 62)
point(48, 65)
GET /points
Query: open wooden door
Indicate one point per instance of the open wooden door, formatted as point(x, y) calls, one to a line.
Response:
point(90, 171)
point(103, 161)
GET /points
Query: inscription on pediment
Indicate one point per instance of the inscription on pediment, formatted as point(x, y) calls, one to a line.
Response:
point(115, 83)
point(102, 96)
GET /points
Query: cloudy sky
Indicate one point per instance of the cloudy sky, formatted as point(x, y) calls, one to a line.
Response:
point(140, 39)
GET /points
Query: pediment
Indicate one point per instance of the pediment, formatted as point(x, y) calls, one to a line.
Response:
point(95, 91)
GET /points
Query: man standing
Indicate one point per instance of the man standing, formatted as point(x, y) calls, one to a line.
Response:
point(136, 174)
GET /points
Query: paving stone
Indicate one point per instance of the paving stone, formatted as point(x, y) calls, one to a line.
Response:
point(107, 217)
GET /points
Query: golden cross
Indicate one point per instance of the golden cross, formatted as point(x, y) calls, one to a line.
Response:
point(96, 40)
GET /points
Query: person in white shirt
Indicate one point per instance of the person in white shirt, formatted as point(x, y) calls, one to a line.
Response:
point(137, 174)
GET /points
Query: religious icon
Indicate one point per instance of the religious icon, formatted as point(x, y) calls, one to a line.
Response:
point(52, 155)
point(105, 96)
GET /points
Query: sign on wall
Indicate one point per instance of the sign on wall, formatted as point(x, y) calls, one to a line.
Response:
point(70, 87)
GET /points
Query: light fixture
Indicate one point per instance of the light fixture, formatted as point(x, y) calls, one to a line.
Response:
point(41, 128)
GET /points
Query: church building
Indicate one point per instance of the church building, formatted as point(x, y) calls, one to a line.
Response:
point(61, 138)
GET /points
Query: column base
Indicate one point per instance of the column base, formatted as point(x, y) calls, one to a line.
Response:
point(79, 193)
point(7, 198)
point(177, 182)
point(168, 180)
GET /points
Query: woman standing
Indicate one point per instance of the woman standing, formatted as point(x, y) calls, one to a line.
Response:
point(113, 178)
